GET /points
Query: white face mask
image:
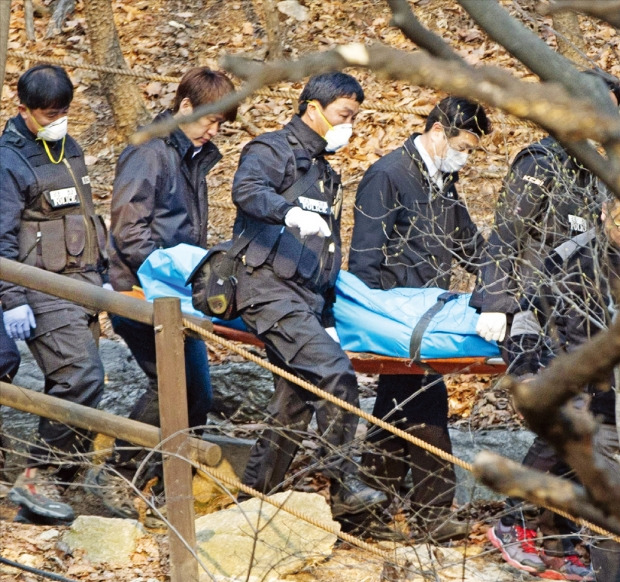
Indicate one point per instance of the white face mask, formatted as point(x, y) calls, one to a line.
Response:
point(55, 130)
point(338, 136)
point(452, 161)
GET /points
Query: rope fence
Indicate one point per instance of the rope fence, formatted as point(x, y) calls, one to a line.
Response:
point(208, 335)
point(368, 105)
point(422, 111)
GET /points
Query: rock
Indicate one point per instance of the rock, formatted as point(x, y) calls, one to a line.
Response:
point(241, 390)
point(423, 562)
point(467, 444)
point(104, 539)
point(272, 541)
point(50, 534)
point(294, 9)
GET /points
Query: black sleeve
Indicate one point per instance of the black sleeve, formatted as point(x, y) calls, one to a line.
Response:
point(260, 177)
point(468, 242)
point(518, 215)
point(374, 215)
point(140, 179)
point(15, 180)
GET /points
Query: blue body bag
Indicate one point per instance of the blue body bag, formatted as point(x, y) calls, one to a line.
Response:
point(367, 320)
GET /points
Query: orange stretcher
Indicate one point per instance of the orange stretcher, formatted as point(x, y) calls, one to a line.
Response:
point(368, 363)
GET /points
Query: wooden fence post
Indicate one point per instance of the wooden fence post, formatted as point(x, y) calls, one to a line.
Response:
point(174, 419)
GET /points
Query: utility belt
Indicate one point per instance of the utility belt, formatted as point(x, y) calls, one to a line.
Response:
point(63, 245)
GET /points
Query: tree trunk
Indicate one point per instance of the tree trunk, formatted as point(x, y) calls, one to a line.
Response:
point(272, 24)
point(5, 18)
point(570, 41)
point(122, 94)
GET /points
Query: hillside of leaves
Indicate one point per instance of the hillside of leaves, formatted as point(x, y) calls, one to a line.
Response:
point(166, 37)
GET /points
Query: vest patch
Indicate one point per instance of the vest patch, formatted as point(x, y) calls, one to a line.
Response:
point(313, 205)
point(64, 197)
point(533, 180)
point(85, 180)
point(577, 223)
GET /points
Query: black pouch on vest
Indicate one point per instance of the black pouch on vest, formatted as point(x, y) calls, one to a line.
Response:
point(53, 250)
point(29, 236)
point(75, 239)
point(214, 284)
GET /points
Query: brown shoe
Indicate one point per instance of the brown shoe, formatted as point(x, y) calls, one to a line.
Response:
point(38, 491)
point(450, 529)
point(438, 526)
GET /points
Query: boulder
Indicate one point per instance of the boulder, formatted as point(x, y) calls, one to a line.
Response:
point(255, 540)
point(105, 539)
point(425, 562)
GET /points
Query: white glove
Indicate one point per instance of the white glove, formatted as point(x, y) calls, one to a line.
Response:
point(107, 286)
point(491, 326)
point(18, 321)
point(307, 222)
point(332, 333)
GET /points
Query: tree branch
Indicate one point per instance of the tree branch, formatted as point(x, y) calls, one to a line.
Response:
point(258, 75)
point(609, 10)
point(545, 403)
point(543, 489)
point(548, 105)
point(524, 45)
point(404, 18)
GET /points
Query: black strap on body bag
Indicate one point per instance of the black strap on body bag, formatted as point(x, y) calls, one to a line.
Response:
point(415, 344)
point(213, 280)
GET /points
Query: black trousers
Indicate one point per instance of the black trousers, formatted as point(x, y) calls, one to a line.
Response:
point(418, 405)
point(295, 340)
point(64, 345)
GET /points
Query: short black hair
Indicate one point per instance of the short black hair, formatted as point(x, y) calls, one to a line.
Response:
point(456, 114)
point(45, 87)
point(613, 84)
point(328, 87)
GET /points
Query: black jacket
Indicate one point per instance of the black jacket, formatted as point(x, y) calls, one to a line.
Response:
point(573, 305)
point(47, 217)
point(407, 231)
point(547, 198)
point(159, 201)
point(268, 166)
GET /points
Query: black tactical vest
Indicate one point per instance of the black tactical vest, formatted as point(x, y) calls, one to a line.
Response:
point(60, 231)
point(312, 261)
point(572, 206)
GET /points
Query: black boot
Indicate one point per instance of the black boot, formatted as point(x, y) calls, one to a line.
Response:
point(437, 525)
point(353, 496)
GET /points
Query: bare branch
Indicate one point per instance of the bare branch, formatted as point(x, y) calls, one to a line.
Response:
point(553, 387)
point(533, 52)
point(554, 109)
point(544, 403)
point(403, 18)
point(550, 66)
point(258, 76)
point(609, 10)
point(515, 480)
